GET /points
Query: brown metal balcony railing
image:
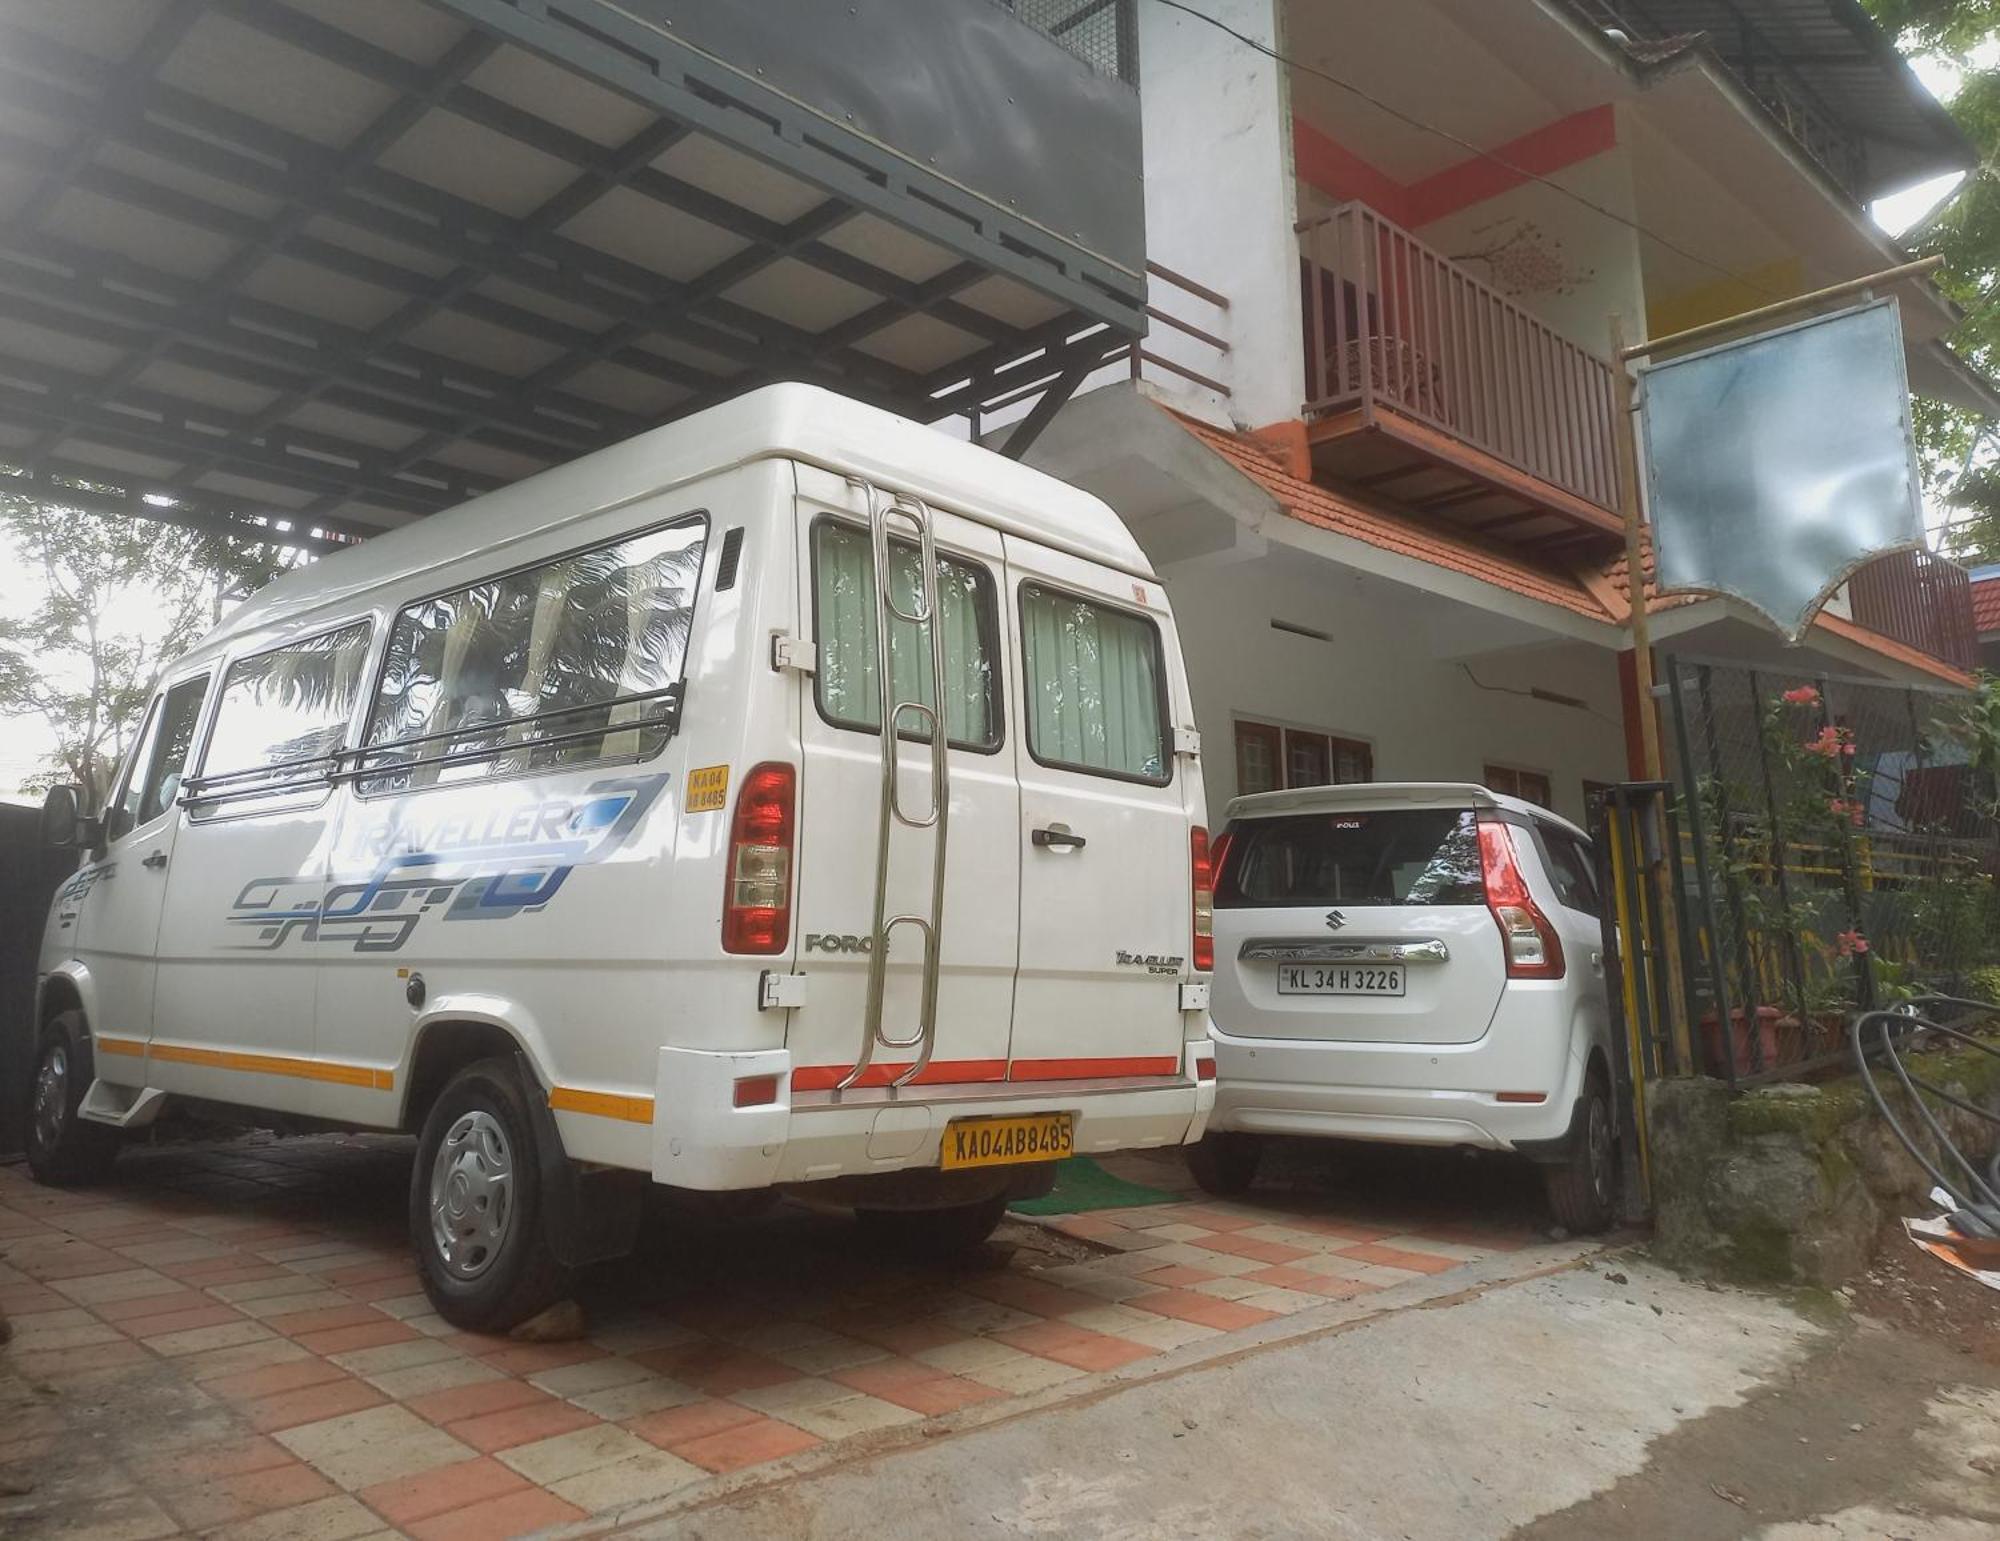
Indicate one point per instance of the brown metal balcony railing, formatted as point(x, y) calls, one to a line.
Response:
point(1394, 326)
point(1922, 601)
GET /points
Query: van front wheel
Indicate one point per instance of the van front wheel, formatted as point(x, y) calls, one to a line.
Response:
point(476, 1205)
point(64, 1148)
point(1225, 1164)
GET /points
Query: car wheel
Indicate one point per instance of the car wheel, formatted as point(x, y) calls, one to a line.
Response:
point(64, 1148)
point(476, 1205)
point(936, 1233)
point(1223, 1164)
point(1583, 1189)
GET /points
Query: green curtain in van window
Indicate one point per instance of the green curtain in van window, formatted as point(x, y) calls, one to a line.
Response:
point(1093, 685)
point(848, 688)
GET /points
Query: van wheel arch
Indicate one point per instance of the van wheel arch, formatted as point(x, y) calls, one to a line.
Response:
point(59, 994)
point(443, 1049)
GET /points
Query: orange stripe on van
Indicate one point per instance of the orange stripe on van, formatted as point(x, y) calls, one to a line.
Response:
point(1090, 1069)
point(367, 1076)
point(574, 1099)
point(105, 1045)
point(821, 1078)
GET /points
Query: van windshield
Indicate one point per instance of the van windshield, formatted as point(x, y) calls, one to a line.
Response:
point(1401, 856)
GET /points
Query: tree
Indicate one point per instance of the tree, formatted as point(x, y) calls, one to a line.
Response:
point(114, 599)
point(1957, 447)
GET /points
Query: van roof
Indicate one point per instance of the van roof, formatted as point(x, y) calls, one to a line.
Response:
point(1376, 796)
point(789, 421)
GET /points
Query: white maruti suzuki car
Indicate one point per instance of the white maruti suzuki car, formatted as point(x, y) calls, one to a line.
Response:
point(1418, 964)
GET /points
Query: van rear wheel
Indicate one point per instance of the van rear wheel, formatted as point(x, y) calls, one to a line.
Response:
point(934, 1233)
point(1224, 1164)
point(64, 1149)
point(476, 1205)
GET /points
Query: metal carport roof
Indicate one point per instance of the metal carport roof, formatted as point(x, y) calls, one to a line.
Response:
point(346, 263)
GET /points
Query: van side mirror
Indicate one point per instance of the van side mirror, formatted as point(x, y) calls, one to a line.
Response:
point(64, 823)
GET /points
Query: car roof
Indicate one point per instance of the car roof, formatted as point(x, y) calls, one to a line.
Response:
point(787, 421)
point(1381, 796)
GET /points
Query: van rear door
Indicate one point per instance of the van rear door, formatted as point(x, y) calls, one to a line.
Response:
point(839, 817)
point(1106, 897)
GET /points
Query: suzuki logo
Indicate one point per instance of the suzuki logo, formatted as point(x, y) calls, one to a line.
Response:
point(1335, 920)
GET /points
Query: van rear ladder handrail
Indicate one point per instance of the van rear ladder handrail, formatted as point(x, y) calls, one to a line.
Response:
point(916, 515)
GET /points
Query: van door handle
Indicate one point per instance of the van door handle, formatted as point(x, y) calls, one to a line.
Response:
point(157, 859)
point(1047, 838)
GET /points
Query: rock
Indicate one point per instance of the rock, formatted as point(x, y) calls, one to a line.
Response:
point(561, 1323)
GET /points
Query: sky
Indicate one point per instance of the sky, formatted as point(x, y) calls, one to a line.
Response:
point(26, 742)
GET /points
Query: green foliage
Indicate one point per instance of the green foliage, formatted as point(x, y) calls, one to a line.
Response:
point(1954, 444)
point(115, 598)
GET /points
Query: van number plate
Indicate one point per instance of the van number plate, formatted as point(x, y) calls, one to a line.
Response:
point(1005, 1141)
point(1338, 979)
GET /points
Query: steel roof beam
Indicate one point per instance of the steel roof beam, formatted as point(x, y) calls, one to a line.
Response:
point(122, 503)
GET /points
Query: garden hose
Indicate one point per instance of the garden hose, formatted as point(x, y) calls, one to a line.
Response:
point(1976, 1201)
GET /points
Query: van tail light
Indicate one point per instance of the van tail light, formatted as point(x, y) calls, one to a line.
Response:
point(1534, 951)
point(1204, 901)
point(757, 901)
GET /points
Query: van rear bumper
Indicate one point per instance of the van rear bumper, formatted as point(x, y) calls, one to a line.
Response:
point(701, 1140)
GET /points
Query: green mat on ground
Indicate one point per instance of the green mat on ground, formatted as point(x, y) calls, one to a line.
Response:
point(1082, 1185)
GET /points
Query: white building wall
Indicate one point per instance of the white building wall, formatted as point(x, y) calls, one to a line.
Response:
point(1564, 262)
point(1220, 201)
point(1386, 677)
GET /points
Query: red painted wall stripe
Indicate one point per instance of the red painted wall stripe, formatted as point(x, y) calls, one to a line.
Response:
point(1328, 165)
point(819, 1078)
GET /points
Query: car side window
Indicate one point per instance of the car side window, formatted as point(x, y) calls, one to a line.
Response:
point(1571, 870)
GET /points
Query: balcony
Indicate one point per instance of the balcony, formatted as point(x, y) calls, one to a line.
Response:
point(1921, 601)
point(1431, 389)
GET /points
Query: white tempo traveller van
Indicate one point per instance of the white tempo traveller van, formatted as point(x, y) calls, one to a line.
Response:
point(561, 831)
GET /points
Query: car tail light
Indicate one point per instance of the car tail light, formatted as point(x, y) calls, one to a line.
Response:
point(1204, 901)
point(1534, 951)
point(1218, 856)
point(757, 902)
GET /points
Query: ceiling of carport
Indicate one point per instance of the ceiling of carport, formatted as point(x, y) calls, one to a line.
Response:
point(346, 263)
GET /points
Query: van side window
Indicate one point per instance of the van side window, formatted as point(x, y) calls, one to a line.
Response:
point(1095, 687)
point(280, 711)
point(847, 683)
point(178, 716)
point(536, 669)
point(124, 812)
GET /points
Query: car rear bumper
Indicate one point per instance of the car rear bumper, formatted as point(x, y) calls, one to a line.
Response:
point(701, 1140)
point(1407, 1094)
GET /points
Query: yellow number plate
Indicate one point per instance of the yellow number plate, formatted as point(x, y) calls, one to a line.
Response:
point(1005, 1141)
point(707, 789)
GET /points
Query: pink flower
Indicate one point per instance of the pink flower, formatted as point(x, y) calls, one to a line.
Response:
point(1841, 808)
point(1850, 943)
point(1804, 695)
point(1831, 742)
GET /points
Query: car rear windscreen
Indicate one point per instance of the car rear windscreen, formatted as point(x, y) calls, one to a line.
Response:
point(1402, 856)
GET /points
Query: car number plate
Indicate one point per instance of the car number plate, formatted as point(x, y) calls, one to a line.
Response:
point(1339, 979)
point(1005, 1141)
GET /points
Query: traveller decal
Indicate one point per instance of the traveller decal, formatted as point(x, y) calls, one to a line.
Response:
point(466, 867)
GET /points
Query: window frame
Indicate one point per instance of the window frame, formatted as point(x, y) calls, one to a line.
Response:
point(197, 740)
point(989, 638)
point(1160, 690)
point(252, 800)
point(396, 608)
point(1486, 776)
point(122, 783)
point(1281, 736)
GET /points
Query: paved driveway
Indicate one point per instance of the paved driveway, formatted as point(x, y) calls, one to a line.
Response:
point(231, 1339)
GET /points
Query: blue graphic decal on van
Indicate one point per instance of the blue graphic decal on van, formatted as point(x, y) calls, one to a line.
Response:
point(490, 866)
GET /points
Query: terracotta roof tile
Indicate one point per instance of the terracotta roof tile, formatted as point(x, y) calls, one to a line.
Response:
point(1602, 594)
point(1403, 534)
point(1986, 605)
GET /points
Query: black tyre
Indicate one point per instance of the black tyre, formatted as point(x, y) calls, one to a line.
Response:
point(1225, 1163)
point(476, 1204)
point(936, 1233)
point(63, 1148)
point(1582, 1189)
